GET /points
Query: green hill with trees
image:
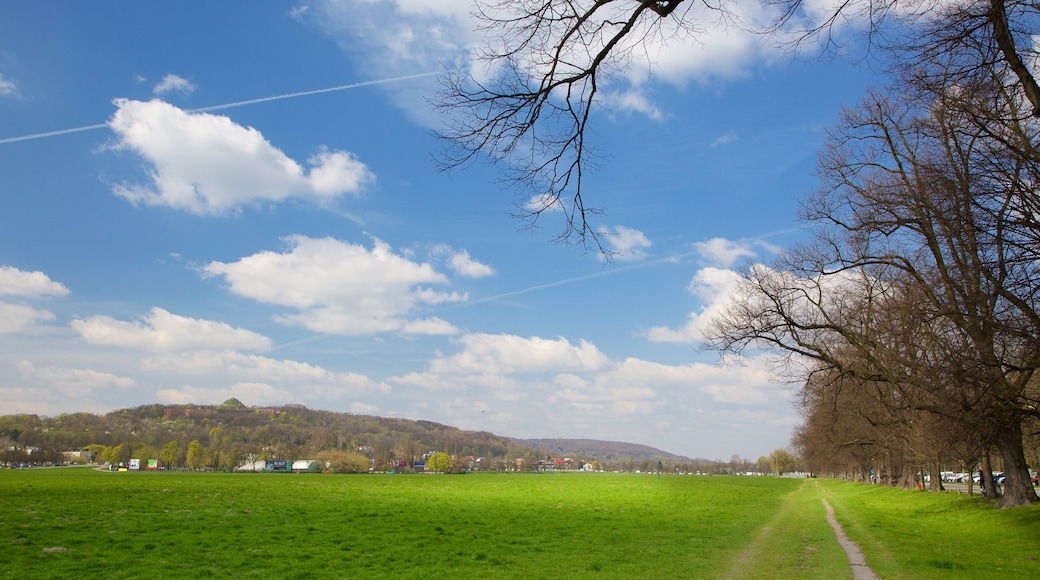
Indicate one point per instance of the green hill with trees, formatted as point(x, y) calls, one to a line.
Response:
point(225, 436)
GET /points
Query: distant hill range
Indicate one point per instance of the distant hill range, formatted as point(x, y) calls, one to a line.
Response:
point(230, 431)
point(605, 450)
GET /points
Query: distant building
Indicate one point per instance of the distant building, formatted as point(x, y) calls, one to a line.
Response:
point(306, 465)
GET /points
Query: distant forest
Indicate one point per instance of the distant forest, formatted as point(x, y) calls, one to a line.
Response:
point(228, 435)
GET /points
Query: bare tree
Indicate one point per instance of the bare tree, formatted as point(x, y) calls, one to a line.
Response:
point(924, 266)
point(545, 65)
point(529, 102)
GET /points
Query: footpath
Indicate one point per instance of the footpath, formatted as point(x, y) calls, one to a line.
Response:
point(860, 570)
point(794, 543)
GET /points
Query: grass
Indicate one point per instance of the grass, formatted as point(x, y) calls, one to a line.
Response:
point(79, 522)
point(916, 535)
point(323, 526)
point(797, 542)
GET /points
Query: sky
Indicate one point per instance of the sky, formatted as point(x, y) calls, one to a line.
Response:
point(243, 199)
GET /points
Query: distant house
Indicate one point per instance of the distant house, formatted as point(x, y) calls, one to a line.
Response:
point(75, 456)
point(306, 465)
point(252, 466)
point(556, 464)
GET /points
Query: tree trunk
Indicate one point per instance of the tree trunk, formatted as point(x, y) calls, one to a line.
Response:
point(935, 481)
point(989, 487)
point(909, 479)
point(1018, 488)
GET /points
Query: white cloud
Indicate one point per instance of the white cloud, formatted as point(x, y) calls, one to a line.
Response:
point(429, 326)
point(710, 51)
point(44, 401)
point(508, 354)
point(464, 265)
point(207, 164)
point(698, 44)
point(724, 253)
point(17, 317)
point(397, 38)
point(724, 139)
point(625, 244)
point(29, 285)
point(409, 33)
point(15, 282)
point(339, 287)
point(172, 83)
point(542, 384)
point(543, 203)
point(161, 331)
point(8, 88)
point(715, 288)
point(302, 379)
point(72, 380)
point(631, 101)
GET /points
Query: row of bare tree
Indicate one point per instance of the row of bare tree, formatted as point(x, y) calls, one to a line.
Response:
point(912, 316)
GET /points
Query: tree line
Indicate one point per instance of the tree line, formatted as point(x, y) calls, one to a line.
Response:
point(230, 435)
point(910, 316)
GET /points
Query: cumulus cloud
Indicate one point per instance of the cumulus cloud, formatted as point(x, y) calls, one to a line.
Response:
point(431, 326)
point(724, 253)
point(577, 379)
point(17, 317)
point(303, 379)
point(625, 244)
point(45, 401)
point(162, 331)
point(15, 282)
point(172, 83)
point(207, 164)
point(462, 263)
point(714, 287)
point(631, 101)
point(543, 203)
point(72, 379)
point(409, 36)
point(341, 288)
point(410, 33)
point(505, 364)
point(466, 266)
point(397, 38)
point(507, 354)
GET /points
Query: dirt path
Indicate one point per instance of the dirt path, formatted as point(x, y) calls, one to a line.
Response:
point(860, 570)
point(799, 516)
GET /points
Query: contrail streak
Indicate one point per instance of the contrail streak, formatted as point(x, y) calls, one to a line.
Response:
point(51, 133)
point(605, 272)
point(227, 106)
point(314, 92)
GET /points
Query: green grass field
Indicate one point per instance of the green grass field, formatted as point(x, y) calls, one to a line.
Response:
point(62, 523)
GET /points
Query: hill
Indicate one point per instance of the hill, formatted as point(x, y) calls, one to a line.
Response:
point(603, 450)
point(226, 435)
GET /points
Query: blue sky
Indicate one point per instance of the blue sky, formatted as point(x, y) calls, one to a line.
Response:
point(186, 215)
